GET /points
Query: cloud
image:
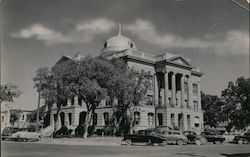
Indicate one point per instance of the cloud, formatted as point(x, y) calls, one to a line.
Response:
point(83, 32)
point(40, 32)
point(146, 31)
point(233, 42)
point(101, 25)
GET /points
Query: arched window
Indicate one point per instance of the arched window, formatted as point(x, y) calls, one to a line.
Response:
point(137, 117)
point(106, 118)
point(150, 119)
point(160, 119)
point(95, 119)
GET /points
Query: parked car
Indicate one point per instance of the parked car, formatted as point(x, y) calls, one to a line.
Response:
point(25, 135)
point(8, 131)
point(174, 137)
point(241, 139)
point(144, 136)
point(194, 138)
point(229, 136)
point(213, 136)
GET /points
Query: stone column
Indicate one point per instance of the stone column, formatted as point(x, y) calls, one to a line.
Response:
point(173, 89)
point(52, 119)
point(189, 95)
point(166, 89)
point(182, 92)
point(199, 95)
point(66, 119)
point(156, 91)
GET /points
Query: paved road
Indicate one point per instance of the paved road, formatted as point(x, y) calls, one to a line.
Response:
point(21, 149)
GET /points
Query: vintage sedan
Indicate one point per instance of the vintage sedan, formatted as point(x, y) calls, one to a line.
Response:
point(194, 138)
point(242, 139)
point(213, 136)
point(7, 132)
point(144, 136)
point(26, 136)
point(174, 137)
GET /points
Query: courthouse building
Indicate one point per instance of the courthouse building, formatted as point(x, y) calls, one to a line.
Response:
point(174, 101)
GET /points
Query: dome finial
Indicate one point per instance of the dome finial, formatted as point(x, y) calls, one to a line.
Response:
point(120, 29)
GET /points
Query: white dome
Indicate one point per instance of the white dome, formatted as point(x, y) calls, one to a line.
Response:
point(117, 43)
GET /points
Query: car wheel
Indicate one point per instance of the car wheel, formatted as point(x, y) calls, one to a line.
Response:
point(240, 141)
point(156, 144)
point(216, 142)
point(128, 142)
point(198, 142)
point(179, 142)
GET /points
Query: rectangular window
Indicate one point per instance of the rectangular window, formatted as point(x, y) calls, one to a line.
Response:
point(160, 119)
point(137, 117)
point(186, 104)
point(185, 87)
point(172, 121)
point(95, 119)
point(151, 83)
point(2, 119)
point(195, 89)
point(195, 105)
point(106, 118)
point(70, 118)
point(149, 100)
point(150, 119)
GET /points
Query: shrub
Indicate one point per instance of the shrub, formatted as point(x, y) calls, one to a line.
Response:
point(91, 130)
point(79, 131)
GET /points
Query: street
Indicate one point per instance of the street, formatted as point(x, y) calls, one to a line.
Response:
point(22, 149)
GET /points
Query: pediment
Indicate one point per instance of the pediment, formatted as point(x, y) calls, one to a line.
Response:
point(180, 60)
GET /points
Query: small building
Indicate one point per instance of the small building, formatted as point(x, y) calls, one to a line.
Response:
point(6, 117)
point(174, 100)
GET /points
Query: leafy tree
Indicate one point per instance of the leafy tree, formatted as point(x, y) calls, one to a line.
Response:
point(14, 116)
point(236, 98)
point(45, 85)
point(8, 93)
point(212, 106)
point(130, 93)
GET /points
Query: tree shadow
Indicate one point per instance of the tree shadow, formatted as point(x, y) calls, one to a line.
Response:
point(237, 155)
point(188, 154)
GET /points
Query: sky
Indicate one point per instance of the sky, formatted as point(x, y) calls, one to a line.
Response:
point(213, 34)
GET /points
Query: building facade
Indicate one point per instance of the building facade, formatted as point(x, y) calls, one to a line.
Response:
point(21, 122)
point(174, 101)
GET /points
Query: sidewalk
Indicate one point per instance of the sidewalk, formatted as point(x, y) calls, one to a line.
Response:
point(91, 141)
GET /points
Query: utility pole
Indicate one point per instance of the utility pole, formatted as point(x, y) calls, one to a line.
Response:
point(38, 106)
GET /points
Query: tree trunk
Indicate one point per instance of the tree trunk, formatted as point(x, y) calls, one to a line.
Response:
point(87, 122)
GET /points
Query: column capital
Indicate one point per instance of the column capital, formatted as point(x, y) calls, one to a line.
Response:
point(174, 72)
point(187, 75)
point(165, 71)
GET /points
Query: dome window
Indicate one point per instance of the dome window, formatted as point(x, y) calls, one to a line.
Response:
point(106, 44)
point(131, 45)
